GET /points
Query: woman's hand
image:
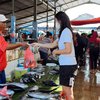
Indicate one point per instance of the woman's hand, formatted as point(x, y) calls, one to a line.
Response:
point(35, 44)
point(54, 52)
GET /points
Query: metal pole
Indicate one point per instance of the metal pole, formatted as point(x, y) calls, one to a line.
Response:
point(34, 35)
point(35, 9)
point(47, 14)
point(54, 19)
point(13, 7)
point(13, 24)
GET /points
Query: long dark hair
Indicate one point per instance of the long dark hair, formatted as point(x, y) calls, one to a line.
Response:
point(64, 22)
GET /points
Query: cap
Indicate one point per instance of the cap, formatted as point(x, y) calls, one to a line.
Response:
point(3, 18)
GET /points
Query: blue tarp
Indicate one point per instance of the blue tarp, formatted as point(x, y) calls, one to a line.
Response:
point(25, 32)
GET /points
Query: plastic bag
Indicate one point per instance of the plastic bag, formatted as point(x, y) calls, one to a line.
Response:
point(29, 61)
point(3, 92)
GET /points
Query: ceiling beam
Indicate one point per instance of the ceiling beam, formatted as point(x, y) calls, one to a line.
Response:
point(60, 6)
point(94, 2)
point(38, 23)
point(33, 20)
point(45, 20)
point(32, 15)
point(23, 9)
point(5, 2)
point(76, 5)
point(49, 6)
point(66, 3)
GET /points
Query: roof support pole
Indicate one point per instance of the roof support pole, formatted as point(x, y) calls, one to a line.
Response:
point(13, 10)
point(47, 14)
point(54, 19)
point(13, 24)
point(34, 34)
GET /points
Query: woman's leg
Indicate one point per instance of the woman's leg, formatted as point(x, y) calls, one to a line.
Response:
point(68, 91)
point(67, 81)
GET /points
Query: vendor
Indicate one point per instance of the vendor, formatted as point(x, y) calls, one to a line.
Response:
point(5, 46)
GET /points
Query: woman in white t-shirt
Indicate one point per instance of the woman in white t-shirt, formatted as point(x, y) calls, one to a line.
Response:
point(67, 60)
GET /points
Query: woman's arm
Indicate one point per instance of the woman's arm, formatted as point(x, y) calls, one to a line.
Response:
point(47, 45)
point(67, 50)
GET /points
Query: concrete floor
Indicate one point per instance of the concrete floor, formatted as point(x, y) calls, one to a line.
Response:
point(87, 85)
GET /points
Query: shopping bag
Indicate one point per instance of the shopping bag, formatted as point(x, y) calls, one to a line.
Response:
point(29, 61)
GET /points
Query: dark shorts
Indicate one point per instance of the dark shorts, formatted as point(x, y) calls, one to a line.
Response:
point(67, 75)
point(2, 77)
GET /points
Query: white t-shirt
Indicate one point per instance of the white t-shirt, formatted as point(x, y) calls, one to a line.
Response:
point(66, 59)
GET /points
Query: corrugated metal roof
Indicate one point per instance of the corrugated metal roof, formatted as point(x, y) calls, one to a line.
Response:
point(24, 9)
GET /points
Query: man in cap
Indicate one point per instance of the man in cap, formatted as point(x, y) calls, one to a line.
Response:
point(5, 46)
